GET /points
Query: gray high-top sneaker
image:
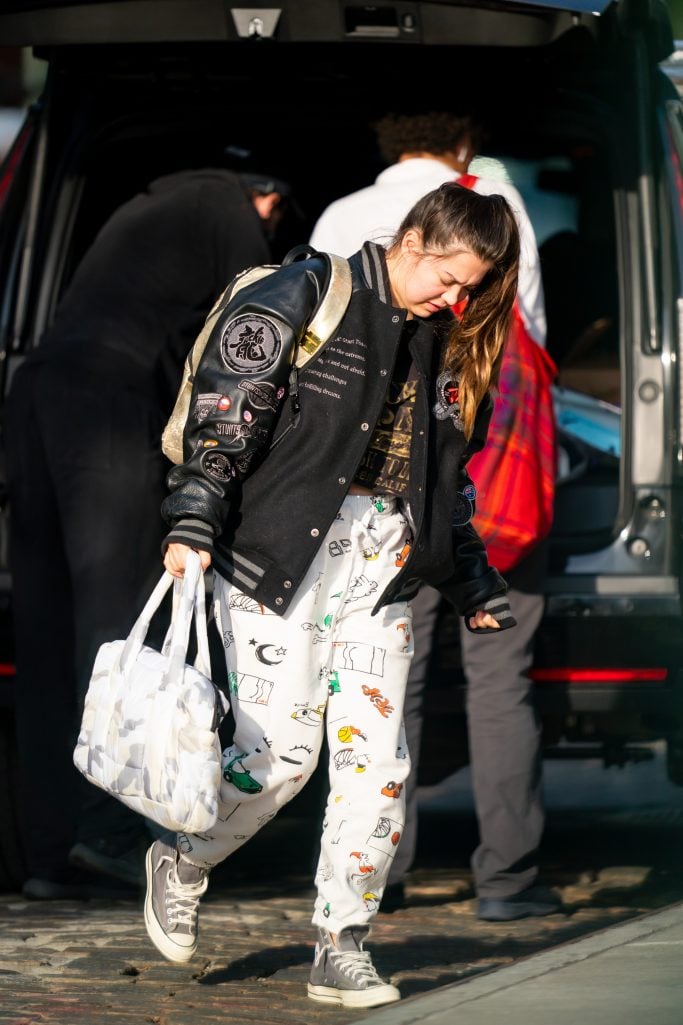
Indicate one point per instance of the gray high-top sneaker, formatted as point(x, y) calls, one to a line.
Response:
point(343, 973)
point(174, 888)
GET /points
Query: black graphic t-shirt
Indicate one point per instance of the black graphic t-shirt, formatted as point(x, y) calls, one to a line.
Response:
point(386, 464)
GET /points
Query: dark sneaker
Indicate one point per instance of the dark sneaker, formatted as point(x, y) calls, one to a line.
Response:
point(172, 902)
point(74, 885)
point(393, 898)
point(534, 902)
point(343, 972)
point(97, 856)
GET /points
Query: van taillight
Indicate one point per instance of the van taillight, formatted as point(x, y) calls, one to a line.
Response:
point(572, 674)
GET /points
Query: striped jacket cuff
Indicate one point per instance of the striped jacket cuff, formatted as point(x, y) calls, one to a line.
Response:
point(499, 608)
point(193, 533)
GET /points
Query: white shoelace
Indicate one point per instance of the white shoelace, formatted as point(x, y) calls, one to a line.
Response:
point(356, 964)
point(182, 899)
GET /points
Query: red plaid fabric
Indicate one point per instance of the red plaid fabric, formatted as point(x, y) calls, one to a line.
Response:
point(515, 471)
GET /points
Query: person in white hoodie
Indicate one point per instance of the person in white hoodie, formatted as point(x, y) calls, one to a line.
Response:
point(422, 151)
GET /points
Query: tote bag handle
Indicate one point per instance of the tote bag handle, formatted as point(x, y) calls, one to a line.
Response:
point(189, 598)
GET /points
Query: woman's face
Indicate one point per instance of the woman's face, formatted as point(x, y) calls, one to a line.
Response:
point(424, 283)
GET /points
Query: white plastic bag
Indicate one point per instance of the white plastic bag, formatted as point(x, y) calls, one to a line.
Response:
point(149, 729)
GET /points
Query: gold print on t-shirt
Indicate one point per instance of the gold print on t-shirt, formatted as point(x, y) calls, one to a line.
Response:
point(386, 463)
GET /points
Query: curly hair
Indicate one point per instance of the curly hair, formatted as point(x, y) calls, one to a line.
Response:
point(451, 217)
point(436, 132)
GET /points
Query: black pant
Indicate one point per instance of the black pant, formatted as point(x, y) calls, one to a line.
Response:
point(503, 731)
point(86, 480)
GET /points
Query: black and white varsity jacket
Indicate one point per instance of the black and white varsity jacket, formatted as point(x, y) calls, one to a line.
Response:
point(270, 454)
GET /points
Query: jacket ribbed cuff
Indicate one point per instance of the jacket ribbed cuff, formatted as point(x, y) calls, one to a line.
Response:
point(191, 532)
point(500, 609)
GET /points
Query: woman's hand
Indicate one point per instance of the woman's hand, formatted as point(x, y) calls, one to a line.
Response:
point(481, 619)
point(176, 557)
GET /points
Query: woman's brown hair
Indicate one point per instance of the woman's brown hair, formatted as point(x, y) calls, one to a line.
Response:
point(453, 217)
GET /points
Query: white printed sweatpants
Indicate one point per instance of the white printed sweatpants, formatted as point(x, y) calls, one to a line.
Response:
point(325, 664)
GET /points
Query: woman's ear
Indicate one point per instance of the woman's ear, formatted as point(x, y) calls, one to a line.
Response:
point(411, 243)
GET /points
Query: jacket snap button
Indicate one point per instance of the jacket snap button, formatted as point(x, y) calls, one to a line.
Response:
point(382, 373)
point(287, 584)
point(279, 601)
point(315, 532)
point(395, 319)
point(342, 480)
point(364, 427)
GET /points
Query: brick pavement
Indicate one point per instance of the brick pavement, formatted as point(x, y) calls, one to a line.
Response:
point(66, 963)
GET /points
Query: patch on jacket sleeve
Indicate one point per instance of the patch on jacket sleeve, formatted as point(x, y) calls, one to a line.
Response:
point(218, 466)
point(250, 345)
point(464, 505)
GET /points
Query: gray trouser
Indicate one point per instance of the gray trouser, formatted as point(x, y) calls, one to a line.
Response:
point(504, 736)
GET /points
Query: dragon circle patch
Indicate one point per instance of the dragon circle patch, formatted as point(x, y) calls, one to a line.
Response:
point(250, 345)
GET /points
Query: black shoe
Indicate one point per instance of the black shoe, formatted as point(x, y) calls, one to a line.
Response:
point(533, 902)
point(104, 858)
point(393, 898)
point(74, 885)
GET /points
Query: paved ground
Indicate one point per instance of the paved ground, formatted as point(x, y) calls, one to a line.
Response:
point(625, 975)
point(615, 857)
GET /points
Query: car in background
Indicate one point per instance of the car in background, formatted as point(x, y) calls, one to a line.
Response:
point(569, 89)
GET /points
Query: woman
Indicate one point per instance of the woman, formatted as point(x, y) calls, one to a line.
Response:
point(323, 500)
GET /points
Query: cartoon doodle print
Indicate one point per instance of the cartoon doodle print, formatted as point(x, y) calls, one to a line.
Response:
point(365, 867)
point(385, 836)
point(240, 777)
point(392, 790)
point(333, 685)
point(338, 834)
point(361, 587)
point(371, 901)
point(405, 627)
point(183, 843)
point(325, 872)
point(361, 657)
point(402, 556)
point(347, 733)
point(266, 817)
point(259, 689)
point(371, 551)
point(260, 653)
point(250, 345)
point(447, 404)
point(243, 603)
point(297, 747)
point(382, 704)
point(346, 758)
point(228, 638)
point(340, 547)
point(309, 716)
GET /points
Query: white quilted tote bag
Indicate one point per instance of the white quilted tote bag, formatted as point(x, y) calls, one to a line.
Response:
point(148, 734)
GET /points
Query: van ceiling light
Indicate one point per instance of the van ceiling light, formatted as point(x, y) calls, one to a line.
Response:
point(255, 22)
point(572, 674)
